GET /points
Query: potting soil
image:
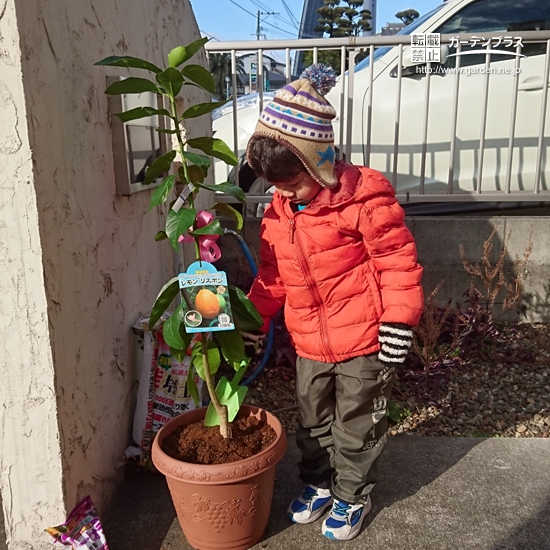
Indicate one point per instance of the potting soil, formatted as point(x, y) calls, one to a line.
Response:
point(200, 444)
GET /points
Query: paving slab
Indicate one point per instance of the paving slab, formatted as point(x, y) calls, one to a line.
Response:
point(434, 493)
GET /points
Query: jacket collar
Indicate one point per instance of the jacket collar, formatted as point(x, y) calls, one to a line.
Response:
point(349, 181)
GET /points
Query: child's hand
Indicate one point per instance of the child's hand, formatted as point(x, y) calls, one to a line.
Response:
point(395, 341)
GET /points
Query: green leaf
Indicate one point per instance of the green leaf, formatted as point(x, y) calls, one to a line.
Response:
point(140, 112)
point(214, 147)
point(178, 354)
point(177, 56)
point(213, 358)
point(230, 212)
point(245, 314)
point(200, 76)
point(132, 85)
point(229, 394)
point(232, 347)
point(128, 61)
point(166, 131)
point(178, 223)
point(159, 165)
point(192, 389)
point(180, 54)
point(226, 187)
point(199, 160)
point(171, 81)
point(161, 192)
point(167, 293)
point(213, 228)
point(202, 108)
point(196, 174)
point(171, 328)
point(160, 236)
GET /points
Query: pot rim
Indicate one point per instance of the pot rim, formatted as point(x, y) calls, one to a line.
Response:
point(213, 469)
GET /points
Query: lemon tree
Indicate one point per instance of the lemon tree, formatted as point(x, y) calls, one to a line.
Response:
point(208, 351)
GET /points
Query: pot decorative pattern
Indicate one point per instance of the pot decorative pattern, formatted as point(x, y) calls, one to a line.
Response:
point(217, 514)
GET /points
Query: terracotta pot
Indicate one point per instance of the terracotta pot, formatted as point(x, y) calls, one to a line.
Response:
point(222, 506)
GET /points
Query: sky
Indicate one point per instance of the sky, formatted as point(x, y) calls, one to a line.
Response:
point(237, 19)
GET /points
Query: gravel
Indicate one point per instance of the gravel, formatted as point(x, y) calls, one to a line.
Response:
point(505, 395)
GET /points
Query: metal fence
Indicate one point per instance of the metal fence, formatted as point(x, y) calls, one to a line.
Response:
point(495, 124)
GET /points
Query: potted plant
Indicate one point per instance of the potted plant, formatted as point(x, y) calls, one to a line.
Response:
point(224, 504)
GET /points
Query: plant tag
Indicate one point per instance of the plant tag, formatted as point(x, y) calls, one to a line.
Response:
point(184, 195)
point(229, 394)
point(205, 299)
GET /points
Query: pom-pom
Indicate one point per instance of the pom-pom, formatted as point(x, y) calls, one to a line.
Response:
point(321, 77)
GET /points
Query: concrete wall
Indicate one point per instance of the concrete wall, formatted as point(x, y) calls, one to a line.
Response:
point(79, 263)
point(438, 240)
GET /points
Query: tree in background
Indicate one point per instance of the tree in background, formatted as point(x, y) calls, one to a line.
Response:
point(337, 21)
point(407, 16)
point(220, 67)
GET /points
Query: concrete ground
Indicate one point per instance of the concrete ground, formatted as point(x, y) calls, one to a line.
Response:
point(434, 493)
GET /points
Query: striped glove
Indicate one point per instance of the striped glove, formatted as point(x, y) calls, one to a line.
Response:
point(395, 341)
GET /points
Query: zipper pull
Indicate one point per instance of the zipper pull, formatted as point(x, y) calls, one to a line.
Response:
point(292, 229)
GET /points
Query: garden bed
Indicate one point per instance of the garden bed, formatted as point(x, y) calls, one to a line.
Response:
point(499, 391)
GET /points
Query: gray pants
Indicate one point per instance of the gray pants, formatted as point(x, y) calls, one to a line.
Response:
point(343, 428)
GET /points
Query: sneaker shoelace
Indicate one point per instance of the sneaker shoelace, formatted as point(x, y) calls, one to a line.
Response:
point(309, 493)
point(341, 508)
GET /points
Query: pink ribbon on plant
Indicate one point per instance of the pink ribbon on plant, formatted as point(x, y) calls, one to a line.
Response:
point(209, 250)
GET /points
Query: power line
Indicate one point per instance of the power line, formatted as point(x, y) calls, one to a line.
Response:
point(239, 6)
point(290, 14)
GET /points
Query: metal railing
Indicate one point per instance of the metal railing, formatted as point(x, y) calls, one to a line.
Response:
point(511, 165)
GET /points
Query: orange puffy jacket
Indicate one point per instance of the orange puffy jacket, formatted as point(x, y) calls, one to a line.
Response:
point(340, 267)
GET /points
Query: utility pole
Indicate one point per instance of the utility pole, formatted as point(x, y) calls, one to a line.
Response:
point(258, 28)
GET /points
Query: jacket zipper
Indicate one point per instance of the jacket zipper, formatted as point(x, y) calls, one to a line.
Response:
point(313, 287)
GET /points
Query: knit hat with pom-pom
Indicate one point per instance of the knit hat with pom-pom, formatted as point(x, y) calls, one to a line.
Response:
point(300, 118)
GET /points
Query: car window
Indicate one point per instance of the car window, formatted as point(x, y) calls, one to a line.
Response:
point(409, 29)
point(495, 16)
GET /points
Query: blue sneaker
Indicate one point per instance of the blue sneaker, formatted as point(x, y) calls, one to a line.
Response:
point(345, 520)
point(310, 505)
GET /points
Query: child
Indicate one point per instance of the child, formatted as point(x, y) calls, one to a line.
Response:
point(336, 254)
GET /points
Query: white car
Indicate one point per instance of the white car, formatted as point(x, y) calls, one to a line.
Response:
point(458, 16)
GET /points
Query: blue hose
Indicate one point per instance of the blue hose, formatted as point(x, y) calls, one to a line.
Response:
point(271, 332)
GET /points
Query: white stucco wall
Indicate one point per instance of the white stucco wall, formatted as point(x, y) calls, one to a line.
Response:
point(33, 495)
point(80, 265)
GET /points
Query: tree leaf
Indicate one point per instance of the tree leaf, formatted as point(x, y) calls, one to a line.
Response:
point(226, 187)
point(159, 165)
point(213, 228)
point(214, 147)
point(178, 223)
point(192, 389)
point(140, 112)
point(162, 191)
point(196, 174)
point(132, 85)
point(197, 359)
point(171, 81)
point(230, 212)
point(128, 61)
point(232, 347)
point(166, 131)
point(177, 56)
point(195, 158)
point(181, 54)
point(167, 293)
point(171, 328)
point(202, 108)
point(200, 76)
point(160, 236)
point(245, 314)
